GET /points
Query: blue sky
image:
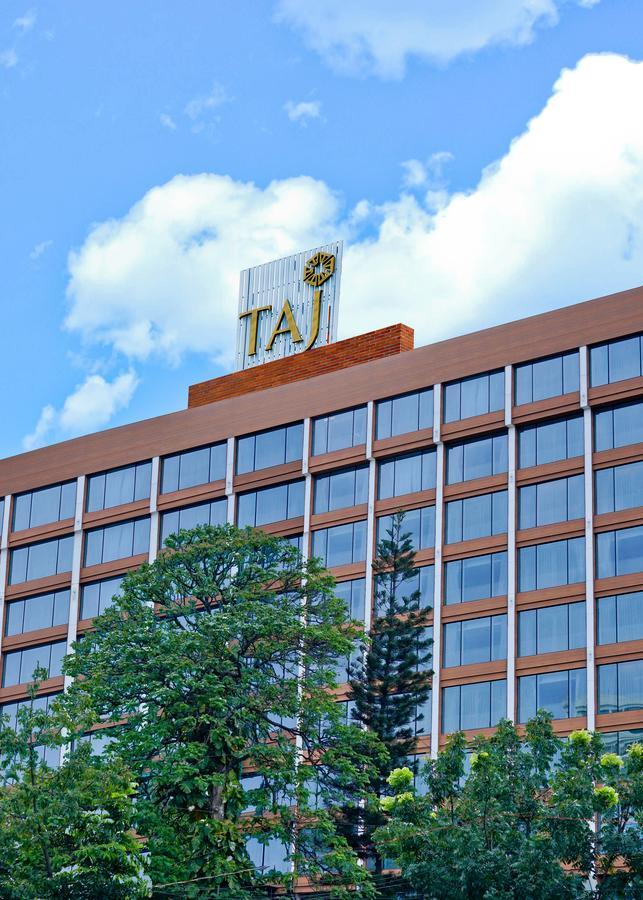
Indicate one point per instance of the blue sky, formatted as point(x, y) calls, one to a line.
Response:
point(480, 160)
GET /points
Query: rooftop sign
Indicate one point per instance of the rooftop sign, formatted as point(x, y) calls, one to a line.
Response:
point(288, 305)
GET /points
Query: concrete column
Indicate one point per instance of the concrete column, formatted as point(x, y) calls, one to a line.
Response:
point(512, 525)
point(74, 601)
point(590, 600)
point(154, 514)
point(437, 582)
point(370, 522)
point(229, 479)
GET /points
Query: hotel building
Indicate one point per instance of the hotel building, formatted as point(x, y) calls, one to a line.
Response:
point(516, 453)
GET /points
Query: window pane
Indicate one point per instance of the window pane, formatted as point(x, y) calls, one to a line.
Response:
point(599, 372)
point(452, 643)
point(628, 486)
point(608, 689)
point(21, 512)
point(340, 431)
point(527, 698)
point(451, 709)
point(45, 506)
point(548, 378)
point(170, 475)
point(142, 481)
point(476, 640)
point(42, 559)
point(523, 381)
point(553, 693)
point(294, 442)
point(577, 637)
point(606, 624)
point(474, 396)
point(630, 616)
point(476, 578)
point(527, 633)
point(405, 414)
point(119, 486)
point(194, 468)
point(630, 685)
point(552, 632)
point(624, 359)
point(383, 418)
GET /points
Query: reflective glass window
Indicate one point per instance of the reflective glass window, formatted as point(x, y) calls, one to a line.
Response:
point(118, 486)
point(32, 613)
point(620, 686)
point(552, 564)
point(551, 377)
point(339, 430)
point(478, 705)
point(476, 517)
point(475, 578)
point(619, 741)
point(341, 544)
point(559, 500)
point(97, 596)
point(400, 415)
point(477, 459)
point(474, 396)
point(550, 441)
point(270, 448)
point(619, 426)
point(422, 581)
point(620, 618)
point(475, 640)
point(619, 552)
point(341, 489)
point(50, 504)
point(268, 855)
point(562, 693)
point(418, 523)
point(18, 666)
point(192, 467)
point(407, 474)
point(213, 513)
point(41, 559)
point(619, 487)
point(272, 504)
point(551, 628)
point(353, 593)
point(40, 704)
point(616, 360)
point(117, 541)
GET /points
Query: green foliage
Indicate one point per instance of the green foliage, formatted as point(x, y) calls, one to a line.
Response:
point(217, 660)
point(65, 831)
point(518, 827)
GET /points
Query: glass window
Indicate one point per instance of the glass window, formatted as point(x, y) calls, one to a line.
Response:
point(41, 559)
point(474, 396)
point(353, 593)
point(478, 705)
point(213, 513)
point(551, 628)
point(560, 500)
point(475, 578)
point(399, 415)
point(545, 378)
point(620, 686)
point(620, 618)
point(270, 448)
point(97, 596)
point(50, 504)
point(619, 426)
point(341, 545)
point(476, 517)
point(550, 442)
point(273, 504)
point(616, 361)
point(475, 640)
point(40, 704)
point(619, 487)
point(32, 613)
point(619, 741)
point(339, 430)
point(117, 541)
point(423, 580)
point(118, 486)
point(477, 459)
point(341, 489)
point(269, 856)
point(563, 694)
point(418, 523)
point(18, 666)
point(619, 552)
point(548, 565)
point(201, 466)
point(407, 474)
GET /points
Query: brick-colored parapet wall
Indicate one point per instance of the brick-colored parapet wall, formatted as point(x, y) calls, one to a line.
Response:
point(351, 352)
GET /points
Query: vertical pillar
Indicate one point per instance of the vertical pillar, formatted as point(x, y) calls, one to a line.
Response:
point(4, 555)
point(437, 581)
point(511, 546)
point(308, 491)
point(154, 513)
point(74, 599)
point(370, 521)
point(229, 479)
point(590, 601)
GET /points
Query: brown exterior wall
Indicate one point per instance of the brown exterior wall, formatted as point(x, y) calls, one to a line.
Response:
point(331, 358)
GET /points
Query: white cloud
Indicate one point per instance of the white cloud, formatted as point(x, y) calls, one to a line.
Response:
point(303, 111)
point(39, 249)
point(167, 121)
point(26, 22)
point(377, 36)
point(558, 219)
point(8, 58)
point(419, 174)
point(89, 407)
point(196, 107)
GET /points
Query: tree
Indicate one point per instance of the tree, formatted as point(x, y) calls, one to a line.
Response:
point(391, 685)
point(214, 666)
point(65, 831)
point(518, 826)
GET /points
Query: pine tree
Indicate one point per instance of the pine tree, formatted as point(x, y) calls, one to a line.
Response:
point(391, 683)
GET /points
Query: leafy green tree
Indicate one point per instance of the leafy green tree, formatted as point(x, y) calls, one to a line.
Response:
point(214, 666)
point(391, 685)
point(519, 826)
point(65, 831)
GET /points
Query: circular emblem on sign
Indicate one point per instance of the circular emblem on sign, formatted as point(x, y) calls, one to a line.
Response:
point(319, 268)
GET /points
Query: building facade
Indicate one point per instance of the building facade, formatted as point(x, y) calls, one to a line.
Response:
point(516, 453)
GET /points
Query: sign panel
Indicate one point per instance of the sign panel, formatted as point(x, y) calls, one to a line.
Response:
point(289, 305)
